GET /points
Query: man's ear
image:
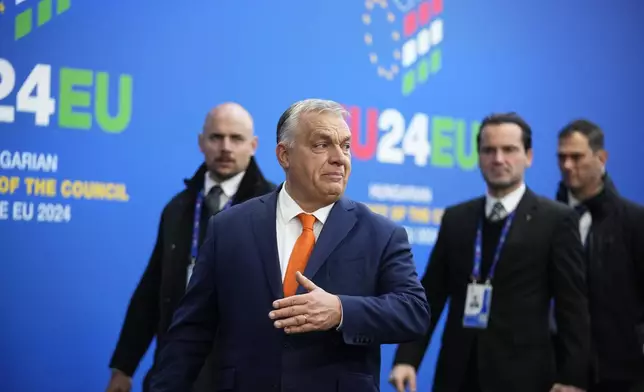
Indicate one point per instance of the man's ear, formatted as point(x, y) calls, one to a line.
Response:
point(603, 156)
point(282, 153)
point(530, 155)
point(254, 144)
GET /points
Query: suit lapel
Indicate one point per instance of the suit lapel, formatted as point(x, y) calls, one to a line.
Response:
point(340, 221)
point(264, 230)
point(476, 211)
point(469, 223)
point(525, 210)
point(520, 226)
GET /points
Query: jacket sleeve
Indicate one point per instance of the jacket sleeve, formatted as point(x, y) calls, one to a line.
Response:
point(567, 272)
point(435, 283)
point(142, 317)
point(635, 215)
point(400, 312)
point(189, 340)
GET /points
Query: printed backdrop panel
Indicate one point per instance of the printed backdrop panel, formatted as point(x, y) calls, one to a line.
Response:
point(101, 104)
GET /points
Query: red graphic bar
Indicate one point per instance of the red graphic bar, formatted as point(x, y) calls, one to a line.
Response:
point(438, 7)
point(424, 12)
point(410, 24)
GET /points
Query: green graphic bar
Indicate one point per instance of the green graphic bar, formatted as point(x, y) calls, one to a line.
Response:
point(44, 12)
point(409, 82)
point(23, 23)
point(436, 61)
point(62, 6)
point(423, 70)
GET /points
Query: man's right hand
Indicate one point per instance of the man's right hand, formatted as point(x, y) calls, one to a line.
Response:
point(403, 376)
point(565, 388)
point(119, 382)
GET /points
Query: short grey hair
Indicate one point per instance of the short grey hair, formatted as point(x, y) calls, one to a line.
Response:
point(289, 120)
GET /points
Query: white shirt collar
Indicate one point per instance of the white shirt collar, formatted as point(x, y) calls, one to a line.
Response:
point(572, 201)
point(509, 201)
point(229, 186)
point(289, 209)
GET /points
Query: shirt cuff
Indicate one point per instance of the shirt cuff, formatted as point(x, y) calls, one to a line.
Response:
point(341, 316)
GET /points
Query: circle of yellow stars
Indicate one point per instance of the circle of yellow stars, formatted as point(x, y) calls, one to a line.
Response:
point(2, 8)
point(390, 72)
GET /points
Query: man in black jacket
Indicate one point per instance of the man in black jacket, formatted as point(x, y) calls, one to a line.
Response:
point(499, 258)
point(612, 229)
point(229, 176)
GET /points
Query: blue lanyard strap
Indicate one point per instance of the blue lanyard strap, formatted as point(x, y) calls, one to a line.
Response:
point(194, 246)
point(476, 272)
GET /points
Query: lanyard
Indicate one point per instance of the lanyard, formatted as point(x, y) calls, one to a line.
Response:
point(476, 272)
point(194, 251)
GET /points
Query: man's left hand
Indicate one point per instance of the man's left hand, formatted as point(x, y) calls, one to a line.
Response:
point(316, 310)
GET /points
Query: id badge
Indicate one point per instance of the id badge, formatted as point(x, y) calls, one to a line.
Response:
point(477, 305)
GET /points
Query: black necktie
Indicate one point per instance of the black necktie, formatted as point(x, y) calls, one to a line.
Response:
point(213, 199)
point(581, 209)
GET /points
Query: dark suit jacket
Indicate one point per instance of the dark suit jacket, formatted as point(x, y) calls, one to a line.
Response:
point(542, 258)
point(360, 256)
point(615, 258)
point(164, 281)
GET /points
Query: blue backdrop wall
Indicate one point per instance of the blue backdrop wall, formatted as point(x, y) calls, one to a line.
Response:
point(116, 92)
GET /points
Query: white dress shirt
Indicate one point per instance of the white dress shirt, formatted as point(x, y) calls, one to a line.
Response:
point(509, 201)
point(228, 187)
point(289, 226)
point(585, 221)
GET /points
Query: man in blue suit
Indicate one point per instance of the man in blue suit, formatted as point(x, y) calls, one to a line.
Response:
point(300, 287)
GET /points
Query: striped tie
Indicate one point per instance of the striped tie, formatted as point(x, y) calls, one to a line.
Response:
point(498, 212)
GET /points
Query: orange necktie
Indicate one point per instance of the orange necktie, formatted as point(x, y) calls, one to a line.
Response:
point(301, 252)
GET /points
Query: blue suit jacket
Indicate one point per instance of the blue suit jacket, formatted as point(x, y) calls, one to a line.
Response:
point(360, 256)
